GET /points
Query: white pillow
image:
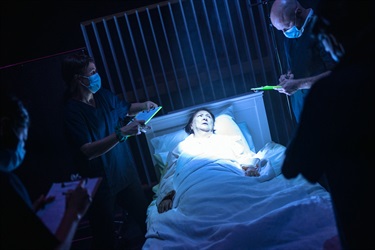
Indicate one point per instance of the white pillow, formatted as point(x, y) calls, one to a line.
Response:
point(246, 133)
point(226, 125)
point(168, 142)
point(164, 144)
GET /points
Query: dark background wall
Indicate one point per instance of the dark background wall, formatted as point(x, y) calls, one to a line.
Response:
point(34, 29)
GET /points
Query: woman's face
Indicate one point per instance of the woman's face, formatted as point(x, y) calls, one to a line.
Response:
point(202, 122)
point(89, 71)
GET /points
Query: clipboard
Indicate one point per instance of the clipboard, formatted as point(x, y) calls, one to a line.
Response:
point(147, 115)
point(53, 212)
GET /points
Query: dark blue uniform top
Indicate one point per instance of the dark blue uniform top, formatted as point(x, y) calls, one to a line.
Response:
point(85, 123)
point(305, 57)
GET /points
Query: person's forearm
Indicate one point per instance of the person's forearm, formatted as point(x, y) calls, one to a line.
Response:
point(66, 230)
point(308, 82)
point(97, 148)
point(137, 107)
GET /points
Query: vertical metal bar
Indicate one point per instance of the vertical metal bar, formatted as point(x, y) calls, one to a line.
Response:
point(101, 51)
point(224, 46)
point(118, 70)
point(203, 50)
point(171, 58)
point(257, 48)
point(130, 72)
point(87, 40)
point(124, 93)
point(213, 45)
point(246, 41)
point(192, 52)
point(148, 58)
point(235, 42)
point(159, 57)
point(273, 41)
point(137, 58)
point(274, 122)
point(181, 53)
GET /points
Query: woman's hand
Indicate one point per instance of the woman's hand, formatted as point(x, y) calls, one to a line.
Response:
point(133, 128)
point(167, 202)
point(78, 200)
point(149, 105)
point(165, 205)
point(137, 107)
point(253, 168)
point(252, 171)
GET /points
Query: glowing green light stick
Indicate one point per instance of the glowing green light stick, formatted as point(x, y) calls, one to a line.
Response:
point(266, 88)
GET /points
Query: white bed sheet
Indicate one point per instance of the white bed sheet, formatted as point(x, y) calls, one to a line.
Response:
point(217, 207)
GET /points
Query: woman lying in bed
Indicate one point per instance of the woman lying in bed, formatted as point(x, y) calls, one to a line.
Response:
point(203, 140)
point(205, 200)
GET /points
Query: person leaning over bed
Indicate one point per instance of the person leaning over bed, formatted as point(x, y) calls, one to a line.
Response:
point(202, 138)
point(97, 133)
point(305, 57)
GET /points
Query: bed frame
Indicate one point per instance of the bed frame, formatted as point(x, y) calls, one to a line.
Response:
point(248, 108)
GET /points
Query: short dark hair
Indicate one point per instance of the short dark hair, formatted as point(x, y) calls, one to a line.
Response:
point(74, 64)
point(188, 125)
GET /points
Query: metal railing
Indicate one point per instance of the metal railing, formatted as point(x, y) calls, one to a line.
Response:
point(181, 53)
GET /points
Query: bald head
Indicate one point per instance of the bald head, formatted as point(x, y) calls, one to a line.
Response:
point(283, 13)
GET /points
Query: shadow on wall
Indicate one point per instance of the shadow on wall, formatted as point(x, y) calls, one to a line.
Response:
point(39, 85)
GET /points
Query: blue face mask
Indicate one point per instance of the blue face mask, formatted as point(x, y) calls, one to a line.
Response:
point(12, 159)
point(95, 83)
point(294, 32)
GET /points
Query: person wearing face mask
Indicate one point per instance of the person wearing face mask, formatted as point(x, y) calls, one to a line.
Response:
point(21, 228)
point(306, 59)
point(96, 132)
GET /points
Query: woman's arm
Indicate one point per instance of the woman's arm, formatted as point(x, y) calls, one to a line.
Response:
point(166, 192)
point(77, 204)
point(97, 148)
point(137, 107)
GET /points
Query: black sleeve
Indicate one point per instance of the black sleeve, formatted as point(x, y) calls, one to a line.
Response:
point(21, 228)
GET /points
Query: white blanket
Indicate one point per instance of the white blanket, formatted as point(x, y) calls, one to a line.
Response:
point(217, 207)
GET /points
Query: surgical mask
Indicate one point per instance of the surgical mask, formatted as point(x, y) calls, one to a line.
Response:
point(12, 159)
point(95, 83)
point(294, 32)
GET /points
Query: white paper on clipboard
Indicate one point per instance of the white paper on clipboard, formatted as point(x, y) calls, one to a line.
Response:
point(53, 212)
